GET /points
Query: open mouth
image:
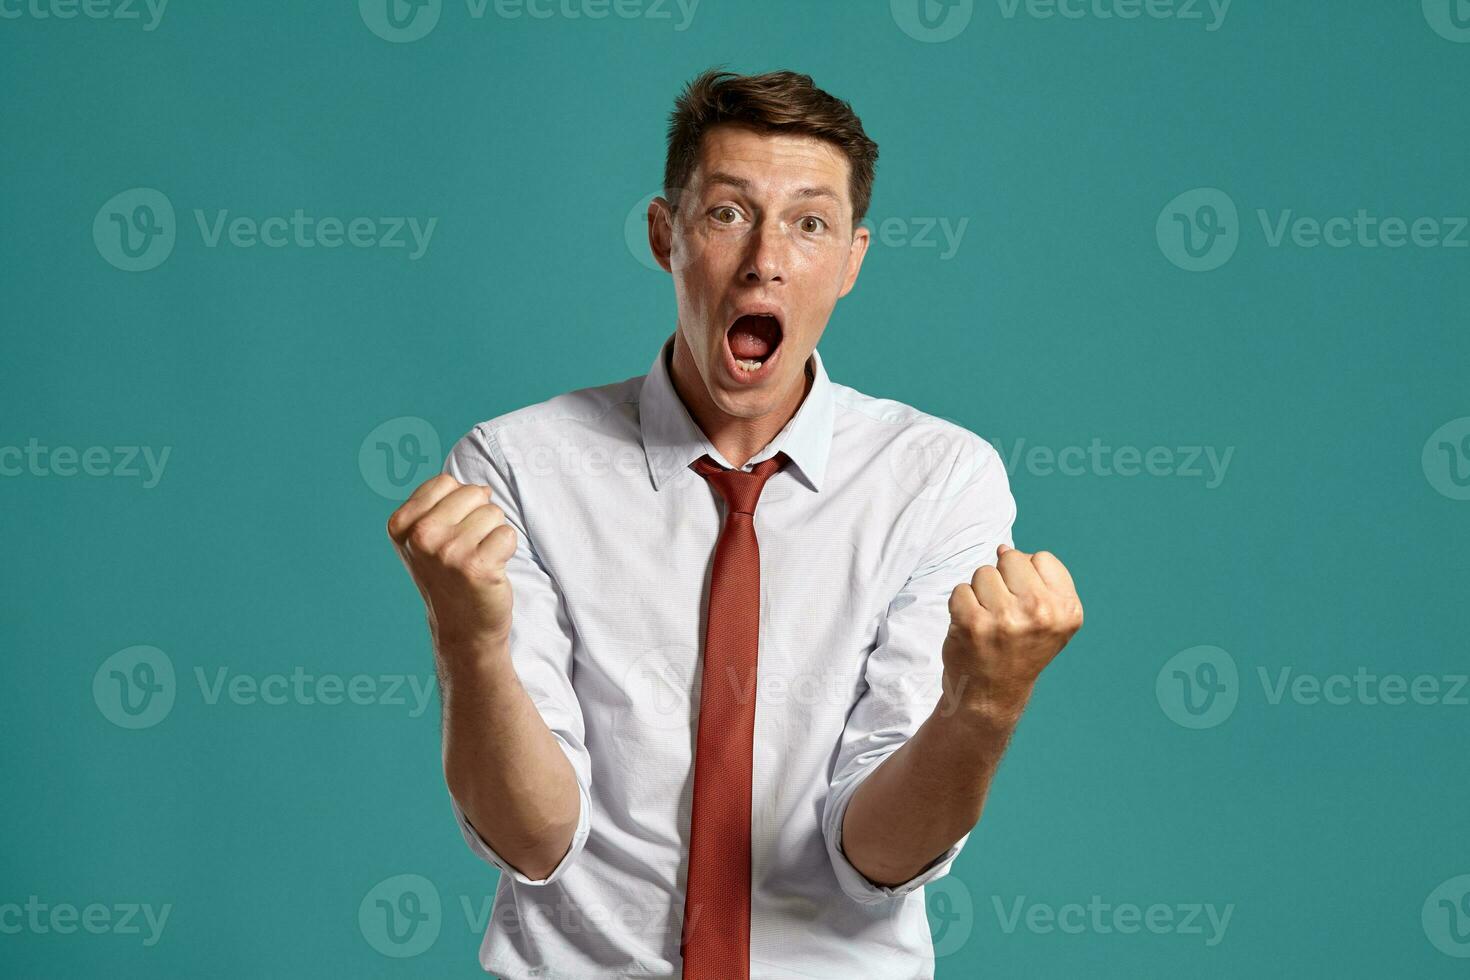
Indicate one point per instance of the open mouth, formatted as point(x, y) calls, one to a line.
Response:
point(753, 340)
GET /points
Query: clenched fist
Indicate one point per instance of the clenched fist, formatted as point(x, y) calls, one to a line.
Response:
point(455, 542)
point(1006, 625)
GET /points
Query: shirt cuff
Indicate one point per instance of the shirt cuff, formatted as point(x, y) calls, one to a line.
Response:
point(486, 852)
point(854, 883)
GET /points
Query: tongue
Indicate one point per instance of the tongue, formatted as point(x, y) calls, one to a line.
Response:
point(752, 338)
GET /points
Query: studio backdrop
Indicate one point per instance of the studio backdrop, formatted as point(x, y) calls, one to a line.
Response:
point(1198, 270)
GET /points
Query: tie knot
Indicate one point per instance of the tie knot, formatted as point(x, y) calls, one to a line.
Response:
point(740, 489)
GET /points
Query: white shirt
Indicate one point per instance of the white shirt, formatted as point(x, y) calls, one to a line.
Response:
point(880, 513)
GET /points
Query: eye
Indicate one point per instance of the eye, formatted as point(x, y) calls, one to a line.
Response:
point(725, 214)
point(811, 223)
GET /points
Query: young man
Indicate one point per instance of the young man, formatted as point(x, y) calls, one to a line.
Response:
point(729, 651)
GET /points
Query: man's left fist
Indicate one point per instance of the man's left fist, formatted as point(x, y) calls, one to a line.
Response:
point(1006, 625)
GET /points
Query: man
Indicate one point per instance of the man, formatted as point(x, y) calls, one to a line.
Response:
point(729, 652)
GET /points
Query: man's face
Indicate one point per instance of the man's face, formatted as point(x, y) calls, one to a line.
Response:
point(765, 227)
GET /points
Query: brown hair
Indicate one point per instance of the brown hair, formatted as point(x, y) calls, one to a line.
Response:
point(776, 102)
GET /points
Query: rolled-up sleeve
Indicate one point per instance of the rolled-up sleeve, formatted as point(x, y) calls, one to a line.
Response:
point(975, 513)
point(540, 642)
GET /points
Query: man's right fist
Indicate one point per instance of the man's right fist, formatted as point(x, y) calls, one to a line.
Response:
point(454, 541)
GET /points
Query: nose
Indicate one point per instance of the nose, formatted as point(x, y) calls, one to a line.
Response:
point(766, 253)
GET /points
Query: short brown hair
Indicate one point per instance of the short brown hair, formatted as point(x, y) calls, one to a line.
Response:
point(776, 102)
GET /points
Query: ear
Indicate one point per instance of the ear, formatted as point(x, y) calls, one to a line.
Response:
point(661, 231)
point(859, 248)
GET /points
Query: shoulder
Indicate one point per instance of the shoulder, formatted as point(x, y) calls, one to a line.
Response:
point(935, 446)
point(578, 417)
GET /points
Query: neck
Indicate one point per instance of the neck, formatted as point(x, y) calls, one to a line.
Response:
point(736, 437)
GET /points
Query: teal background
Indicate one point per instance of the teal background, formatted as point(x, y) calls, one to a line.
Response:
point(1060, 319)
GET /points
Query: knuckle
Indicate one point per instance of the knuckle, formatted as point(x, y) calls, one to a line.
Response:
point(1011, 621)
point(422, 538)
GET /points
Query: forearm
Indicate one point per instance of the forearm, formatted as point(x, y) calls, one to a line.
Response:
point(503, 765)
point(929, 793)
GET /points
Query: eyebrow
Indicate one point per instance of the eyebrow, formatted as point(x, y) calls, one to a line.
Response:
point(743, 185)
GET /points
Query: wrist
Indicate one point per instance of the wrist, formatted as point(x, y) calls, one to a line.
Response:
point(473, 660)
point(986, 704)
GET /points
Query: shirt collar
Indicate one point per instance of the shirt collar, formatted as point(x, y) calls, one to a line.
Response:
point(672, 439)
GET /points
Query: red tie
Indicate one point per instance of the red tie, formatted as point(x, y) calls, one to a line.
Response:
point(715, 943)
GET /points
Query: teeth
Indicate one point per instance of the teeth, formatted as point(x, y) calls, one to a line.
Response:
point(748, 365)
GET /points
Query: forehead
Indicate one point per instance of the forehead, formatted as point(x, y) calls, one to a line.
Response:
point(772, 164)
